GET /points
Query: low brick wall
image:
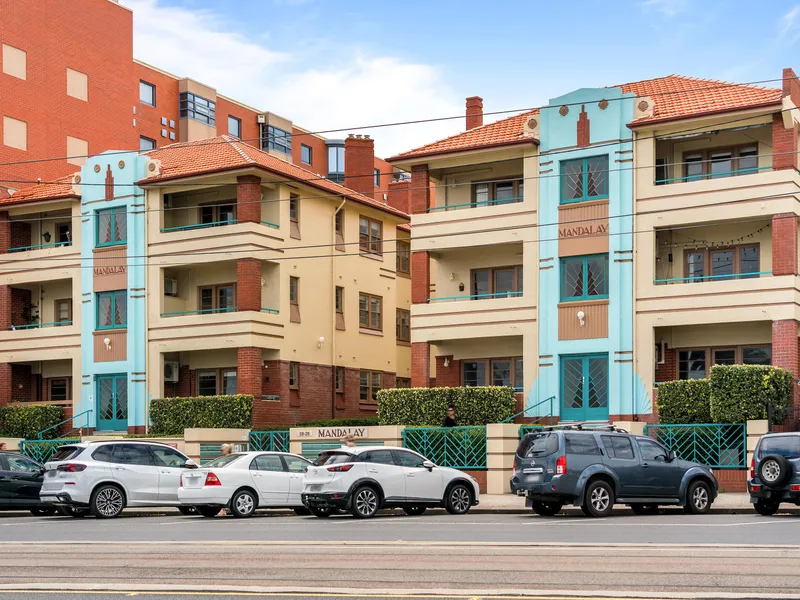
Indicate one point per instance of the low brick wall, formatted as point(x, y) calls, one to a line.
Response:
point(480, 475)
point(731, 480)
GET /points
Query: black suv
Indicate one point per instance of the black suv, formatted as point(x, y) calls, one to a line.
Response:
point(775, 472)
point(596, 468)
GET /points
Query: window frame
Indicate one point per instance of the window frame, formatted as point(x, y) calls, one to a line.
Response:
point(514, 293)
point(338, 299)
point(187, 108)
point(706, 162)
point(113, 294)
point(399, 326)
point(376, 175)
point(67, 388)
point(562, 199)
point(517, 181)
point(372, 391)
point(294, 375)
point(216, 207)
point(515, 362)
point(238, 122)
point(215, 308)
point(403, 255)
point(370, 244)
point(269, 136)
point(294, 207)
point(708, 274)
point(113, 212)
point(403, 382)
point(152, 87)
point(339, 377)
point(709, 356)
point(56, 309)
point(303, 149)
point(152, 142)
point(585, 278)
point(219, 379)
point(294, 282)
point(339, 155)
point(370, 312)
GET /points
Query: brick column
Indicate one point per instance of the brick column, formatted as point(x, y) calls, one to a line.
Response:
point(184, 387)
point(784, 244)
point(668, 371)
point(420, 277)
point(5, 308)
point(399, 195)
point(359, 164)
point(248, 284)
point(449, 376)
point(784, 144)
point(248, 374)
point(420, 364)
point(248, 199)
point(785, 348)
point(5, 232)
point(5, 383)
point(420, 197)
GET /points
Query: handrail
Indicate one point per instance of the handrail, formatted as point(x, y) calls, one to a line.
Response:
point(268, 224)
point(711, 175)
point(477, 296)
point(40, 325)
point(737, 276)
point(72, 418)
point(551, 399)
point(199, 311)
point(198, 226)
point(272, 311)
point(445, 207)
point(26, 248)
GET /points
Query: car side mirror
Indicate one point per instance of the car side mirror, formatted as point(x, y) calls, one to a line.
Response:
point(190, 464)
point(428, 465)
point(671, 456)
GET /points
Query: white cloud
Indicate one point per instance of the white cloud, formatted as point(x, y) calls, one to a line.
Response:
point(789, 26)
point(668, 8)
point(345, 88)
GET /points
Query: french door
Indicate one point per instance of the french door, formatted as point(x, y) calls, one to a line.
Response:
point(112, 403)
point(584, 387)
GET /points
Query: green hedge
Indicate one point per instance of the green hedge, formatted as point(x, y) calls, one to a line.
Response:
point(170, 416)
point(20, 421)
point(684, 402)
point(742, 392)
point(427, 407)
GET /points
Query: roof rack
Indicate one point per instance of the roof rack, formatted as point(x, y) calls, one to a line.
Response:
point(584, 427)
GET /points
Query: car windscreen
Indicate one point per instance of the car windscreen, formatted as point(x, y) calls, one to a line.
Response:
point(785, 445)
point(66, 453)
point(333, 458)
point(223, 461)
point(538, 444)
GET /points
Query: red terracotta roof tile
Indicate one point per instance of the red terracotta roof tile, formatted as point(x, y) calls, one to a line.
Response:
point(60, 188)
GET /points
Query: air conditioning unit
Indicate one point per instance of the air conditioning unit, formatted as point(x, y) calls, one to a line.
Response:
point(170, 287)
point(262, 119)
point(172, 371)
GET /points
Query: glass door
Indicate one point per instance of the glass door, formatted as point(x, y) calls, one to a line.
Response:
point(584, 388)
point(112, 403)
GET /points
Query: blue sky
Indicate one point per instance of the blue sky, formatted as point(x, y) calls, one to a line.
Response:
point(329, 64)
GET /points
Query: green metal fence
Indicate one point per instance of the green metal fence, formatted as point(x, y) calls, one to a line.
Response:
point(42, 450)
point(270, 441)
point(457, 447)
point(719, 446)
point(528, 429)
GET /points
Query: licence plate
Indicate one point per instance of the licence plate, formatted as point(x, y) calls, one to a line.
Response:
point(315, 488)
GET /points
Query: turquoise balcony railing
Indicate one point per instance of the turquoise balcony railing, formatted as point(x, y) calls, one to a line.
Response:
point(269, 441)
point(271, 311)
point(200, 311)
point(456, 447)
point(498, 202)
point(476, 297)
point(198, 226)
point(717, 445)
point(268, 224)
point(720, 175)
point(39, 247)
point(40, 325)
point(701, 278)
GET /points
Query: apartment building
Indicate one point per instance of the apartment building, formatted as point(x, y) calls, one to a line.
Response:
point(614, 239)
point(70, 90)
point(202, 268)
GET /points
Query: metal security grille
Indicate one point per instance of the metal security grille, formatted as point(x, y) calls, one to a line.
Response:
point(269, 441)
point(457, 447)
point(42, 450)
point(719, 446)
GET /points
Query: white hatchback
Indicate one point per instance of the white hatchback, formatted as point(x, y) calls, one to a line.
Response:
point(245, 481)
point(366, 479)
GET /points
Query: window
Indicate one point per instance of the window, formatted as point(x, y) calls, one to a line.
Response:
point(217, 214)
point(198, 108)
point(403, 257)
point(275, 138)
point(757, 355)
point(474, 373)
point(693, 363)
point(618, 447)
point(64, 234)
point(380, 457)
point(294, 375)
point(339, 299)
point(63, 312)
point(651, 451)
point(584, 277)
point(497, 192)
point(519, 373)
point(335, 161)
point(234, 126)
point(112, 310)
point(18, 464)
point(661, 171)
point(294, 287)
point(787, 446)
point(506, 372)
point(370, 236)
point(168, 457)
point(538, 444)
point(340, 379)
point(59, 389)
point(715, 163)
point(403, 382)
point(581, 444)
point(132, 454)
point(584, 179)
point(377, 173)
point(369, 312)
point(147, 93)
point(111, 226)
point(339, 222)
point(267, 462)
point(408, 459)
point(500, 282)
point(145, 143)
point(737, 262)
point(295, 464)
point(306, 154)
point(217, 298)
point(370, 385)
point(216, 382)
point(294, 208)
point(403, 332)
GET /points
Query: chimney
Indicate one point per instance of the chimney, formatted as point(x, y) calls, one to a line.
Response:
point(400, 195)
point(474, 112)
point(359, 164)
point(791, 86)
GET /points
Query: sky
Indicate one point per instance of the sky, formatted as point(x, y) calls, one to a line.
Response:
point(345, 64)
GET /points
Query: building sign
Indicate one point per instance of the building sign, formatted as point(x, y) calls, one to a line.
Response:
point(118, 269)
point(331, 433)
point(583, 230)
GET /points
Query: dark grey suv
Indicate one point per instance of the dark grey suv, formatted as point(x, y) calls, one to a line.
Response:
point(775, 472)
point(597, 468)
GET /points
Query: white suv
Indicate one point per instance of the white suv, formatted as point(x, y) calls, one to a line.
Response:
point(366, 479)
point(105, 477)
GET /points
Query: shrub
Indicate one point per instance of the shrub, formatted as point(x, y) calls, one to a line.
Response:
point(685, 401)
point(170, 416)
point(427, 407)
point(742, 392)
point(21, 421)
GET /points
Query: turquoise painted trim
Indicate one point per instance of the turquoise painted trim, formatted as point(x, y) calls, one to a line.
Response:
point(476, 297)
point(271, 311)
point(714, 176)
point(43, 431)
point(201, 311)
point(40, 325)
point(705, 277)
point(549, 401)
point(113, 212)
point(584, 179)
point(585, 413)
point(585, 282)
point(513, 200)
point(39, 247)
point(268, 224)
point(113, 295)
point(199, 226)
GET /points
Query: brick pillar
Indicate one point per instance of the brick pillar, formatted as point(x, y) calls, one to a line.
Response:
point(420, 277)
point(420, 197)
point(784, 244)
point(248, 374)
point(449, 376)
point(5, 383)
point(248, 199)
point(399, 195)
point(791, 86)
point(248, 284)
point(668, 371)
point(784, 144)
point(5, 308)
point(20, 306)
point(5, 232)
point(420, 364)
point(785, 348)
point(359, 164)
point(474, 112)
point(184, 387)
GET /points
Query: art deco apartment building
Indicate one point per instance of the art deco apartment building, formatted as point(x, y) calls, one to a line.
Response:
point(617, 238)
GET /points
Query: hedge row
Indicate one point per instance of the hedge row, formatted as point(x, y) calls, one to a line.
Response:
point(170, 416)
point(427, 407)
point(21, 421)
point(685, 401)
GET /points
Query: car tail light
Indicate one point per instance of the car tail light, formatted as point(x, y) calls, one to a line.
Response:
point(340, 468)
point(515, 464)
point(71, 468)
point(755, 488)
point(561, 465)
point(212, 479)
point(752, 468)
point(796, 488)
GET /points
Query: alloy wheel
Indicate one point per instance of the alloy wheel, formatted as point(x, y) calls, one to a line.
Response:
point(459, 499)
point(245, 504)
point(600, 499)
point(700, 498)
point(366, 502)
point(109, 502)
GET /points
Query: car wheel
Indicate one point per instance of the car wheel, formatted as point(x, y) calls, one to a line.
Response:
point(415, 511)
point(546, 509)
point(365, 502)
point(302, 512)
point(107, 502)
point(774, 470)
point(323, 512)
point(43, 512)
point(188, 511)
point(698, 498)
point(209, 511)
point(72, 511)
point(243, 504)
point(599, 501)
point(459, 500)
point(766, 508)
point(644, 509)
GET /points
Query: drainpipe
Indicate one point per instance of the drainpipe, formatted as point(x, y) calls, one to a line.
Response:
point(333, 320)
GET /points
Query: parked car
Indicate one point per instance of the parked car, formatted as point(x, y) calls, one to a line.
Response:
point(106, 477)
point(20, 481)
point(775, 472)
point(244, 482)
point(364, 480)
point(597, 468)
